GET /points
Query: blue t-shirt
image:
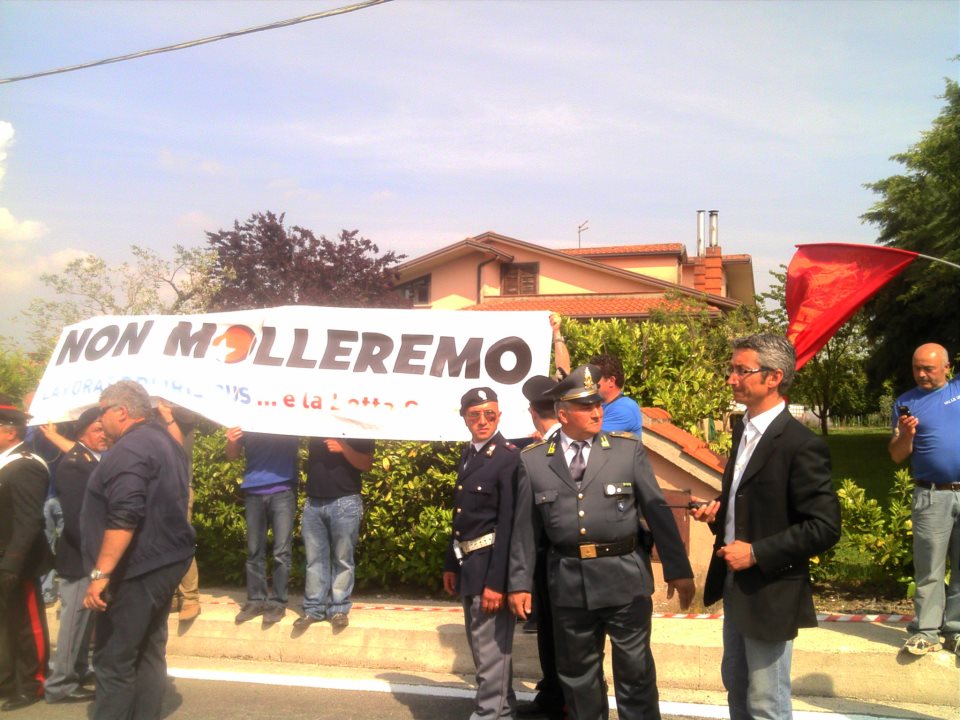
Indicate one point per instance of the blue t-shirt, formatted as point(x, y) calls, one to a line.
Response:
point(622, 413)
point(936, 446)
point(272, 460)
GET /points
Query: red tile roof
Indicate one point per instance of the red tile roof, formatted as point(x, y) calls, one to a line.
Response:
point(582, 305)
point(655, 249)
point(657, 421)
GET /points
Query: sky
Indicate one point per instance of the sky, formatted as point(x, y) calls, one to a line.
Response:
point(421, 123)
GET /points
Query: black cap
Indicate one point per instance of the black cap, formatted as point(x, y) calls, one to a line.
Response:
point(476, 396)
point(580, 386)
point(87, 418)
point(535, 389)
point(10, 414)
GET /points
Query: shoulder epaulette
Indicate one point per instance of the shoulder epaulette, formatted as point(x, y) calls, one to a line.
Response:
point(623, 434)
point(531, 446)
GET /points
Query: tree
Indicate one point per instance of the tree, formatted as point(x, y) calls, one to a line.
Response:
point(833, 383)
point(19, 372)
point(88, 287)
point(261, 264)
point(918, 211)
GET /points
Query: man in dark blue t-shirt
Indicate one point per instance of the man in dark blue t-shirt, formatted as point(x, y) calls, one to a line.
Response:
point(136, 544)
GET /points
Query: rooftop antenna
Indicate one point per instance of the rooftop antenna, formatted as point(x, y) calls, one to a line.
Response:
point(581, 228)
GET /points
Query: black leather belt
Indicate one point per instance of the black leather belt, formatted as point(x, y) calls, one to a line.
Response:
point(936, 486)
point(588, 551)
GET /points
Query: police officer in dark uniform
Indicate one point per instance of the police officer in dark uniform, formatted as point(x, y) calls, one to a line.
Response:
point(588, 491)
point(475, 566)
point(24, 556)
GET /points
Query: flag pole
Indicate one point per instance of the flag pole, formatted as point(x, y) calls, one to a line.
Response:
point(939, 260)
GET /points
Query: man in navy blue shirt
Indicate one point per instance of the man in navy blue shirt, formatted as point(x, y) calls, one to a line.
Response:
point(136, 544)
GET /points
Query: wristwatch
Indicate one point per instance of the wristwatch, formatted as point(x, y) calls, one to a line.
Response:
point(98, 574)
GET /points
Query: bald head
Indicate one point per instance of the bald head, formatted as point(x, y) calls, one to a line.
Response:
point(930, 366)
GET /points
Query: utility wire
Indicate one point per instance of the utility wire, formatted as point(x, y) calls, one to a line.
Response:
point(202, 41)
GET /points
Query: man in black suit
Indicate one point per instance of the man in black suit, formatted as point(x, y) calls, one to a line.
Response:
point(587, 492)
point(24, 556)
point(475, 566)
point(777, 509)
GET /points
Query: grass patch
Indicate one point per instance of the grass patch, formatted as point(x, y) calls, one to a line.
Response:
point(861, 455)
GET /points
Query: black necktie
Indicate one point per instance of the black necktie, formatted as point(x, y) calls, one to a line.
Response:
point(577, 463)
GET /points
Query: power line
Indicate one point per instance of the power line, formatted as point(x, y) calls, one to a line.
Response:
point(202, 41)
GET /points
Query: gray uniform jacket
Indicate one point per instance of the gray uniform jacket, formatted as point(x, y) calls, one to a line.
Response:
point(618, 489)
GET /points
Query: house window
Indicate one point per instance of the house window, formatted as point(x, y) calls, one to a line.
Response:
point(519, 278)
point(417, 291)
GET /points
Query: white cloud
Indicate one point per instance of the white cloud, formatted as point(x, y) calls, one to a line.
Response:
point(19, 231)
point(21, 270)
point(196, 222)
point(184, 163)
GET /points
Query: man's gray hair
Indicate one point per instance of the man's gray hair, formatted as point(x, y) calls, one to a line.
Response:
point(129, 394)
point(774, 353)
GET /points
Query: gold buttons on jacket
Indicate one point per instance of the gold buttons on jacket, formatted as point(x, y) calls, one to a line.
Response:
point(581, 513)
point(583, 531)
point(579, 496)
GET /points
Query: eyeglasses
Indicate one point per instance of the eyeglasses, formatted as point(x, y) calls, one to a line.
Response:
point(488, 415)
point(742, 372)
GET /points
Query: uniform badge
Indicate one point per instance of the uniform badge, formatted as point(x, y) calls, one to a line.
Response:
point(604, 442)
point(490, 448)
point(588, 382)
point(552, 448)
point(482, 395)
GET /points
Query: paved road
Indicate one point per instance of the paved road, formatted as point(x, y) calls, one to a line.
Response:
point(212, 700)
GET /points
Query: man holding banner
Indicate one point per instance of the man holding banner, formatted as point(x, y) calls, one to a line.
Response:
point(270, 482)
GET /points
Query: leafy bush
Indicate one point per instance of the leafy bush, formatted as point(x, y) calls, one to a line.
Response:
point(407, 514)
point(876, 544)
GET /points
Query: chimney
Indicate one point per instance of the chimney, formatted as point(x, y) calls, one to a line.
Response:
point(708, 267)
point(701, 227)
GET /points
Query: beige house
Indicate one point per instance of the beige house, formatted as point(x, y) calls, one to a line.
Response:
point(495, 272)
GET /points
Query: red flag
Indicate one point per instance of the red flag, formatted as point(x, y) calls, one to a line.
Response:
point(828, 282)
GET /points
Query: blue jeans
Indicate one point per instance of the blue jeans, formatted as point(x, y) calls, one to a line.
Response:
point(936, 540)
point(277, 510)
point(330, 531)
point(756, 674)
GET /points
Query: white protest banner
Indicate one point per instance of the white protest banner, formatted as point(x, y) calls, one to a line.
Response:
point(317, 371)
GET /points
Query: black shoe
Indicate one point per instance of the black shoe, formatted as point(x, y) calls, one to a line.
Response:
point(339, 621)
point(19, 700)
point(274, 614)
point(81, 694)
point(249, 611)
point(533, 709)
point(301, 624)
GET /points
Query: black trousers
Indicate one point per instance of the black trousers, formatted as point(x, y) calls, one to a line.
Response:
point(580, 638)
point(24, 641)
point(131, 645)
point(549, 691)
